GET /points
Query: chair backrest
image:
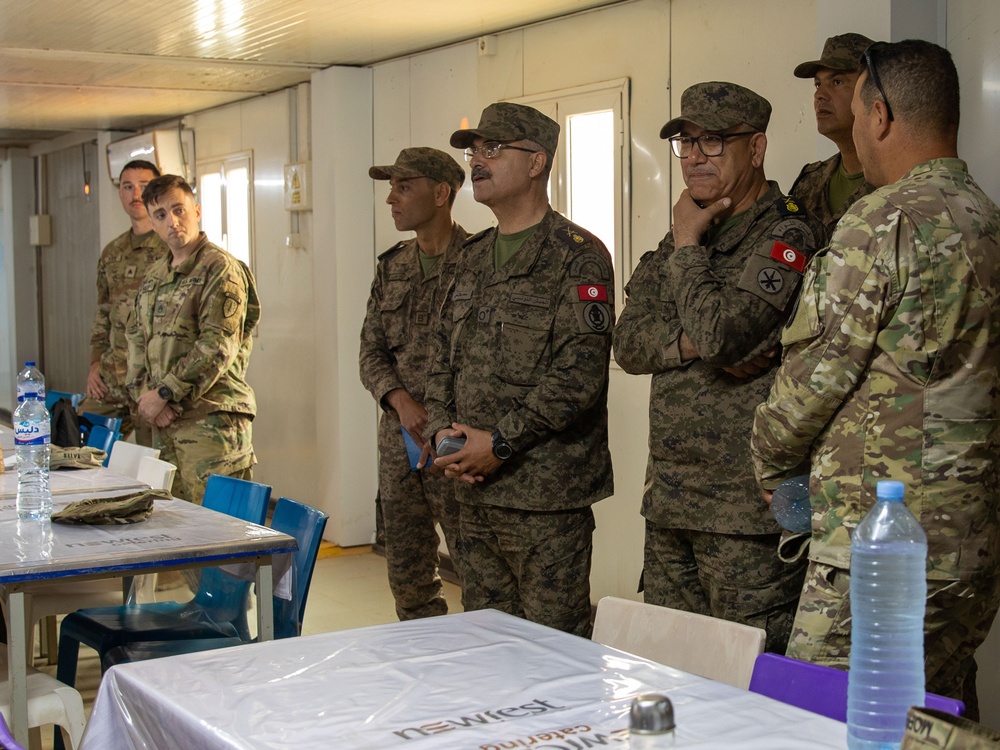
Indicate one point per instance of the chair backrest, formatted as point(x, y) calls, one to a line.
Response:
point(52, 396)
point(237, 497)
point(88, 418)
point(103, 438)
point(156, 473)
point(225, 595)
point(818, 688)
point(125, 457)
point(306, 524)
point(706, 646)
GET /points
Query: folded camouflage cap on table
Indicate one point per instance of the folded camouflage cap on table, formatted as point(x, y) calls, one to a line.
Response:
point(76, 458)
point(98, 511)
point(929, 728)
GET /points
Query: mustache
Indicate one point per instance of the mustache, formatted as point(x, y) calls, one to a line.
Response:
point(480, 171)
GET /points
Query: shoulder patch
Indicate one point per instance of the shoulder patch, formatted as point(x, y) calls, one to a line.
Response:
point(788, 255)
point(591, 267)
point(788, 206)
point(794, 232)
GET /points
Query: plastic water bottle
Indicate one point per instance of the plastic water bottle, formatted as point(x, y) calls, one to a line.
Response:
point(30, 380)
point(31, 447)
point(888, 596)
point(790, 504)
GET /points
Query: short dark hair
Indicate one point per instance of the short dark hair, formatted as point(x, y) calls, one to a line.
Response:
point(159, 187)
point(920, 82)
point(140, 164)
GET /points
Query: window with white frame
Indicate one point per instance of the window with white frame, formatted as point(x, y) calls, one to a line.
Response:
point(590, 174)
point(225, 193)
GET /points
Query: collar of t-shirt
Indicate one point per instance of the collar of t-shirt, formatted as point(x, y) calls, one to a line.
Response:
point(428, 262)
point(507, 245)
point(842, 185)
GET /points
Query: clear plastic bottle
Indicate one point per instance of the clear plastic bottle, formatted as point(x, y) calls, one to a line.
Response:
point(888, 597)
point(791, 506)
point(31, 447)
point(30, 380)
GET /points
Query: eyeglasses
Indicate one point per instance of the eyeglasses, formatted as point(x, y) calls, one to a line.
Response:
point(491, 149)
point(873, 74)
point(711, 144)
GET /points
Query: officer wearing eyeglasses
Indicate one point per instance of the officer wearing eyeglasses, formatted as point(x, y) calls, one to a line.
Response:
point(522, 374)
point(703, 314)
point(892, 371)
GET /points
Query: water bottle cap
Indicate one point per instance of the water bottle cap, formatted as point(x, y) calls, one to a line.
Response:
point(29, 364)
point(889, 490)
point(651, 713)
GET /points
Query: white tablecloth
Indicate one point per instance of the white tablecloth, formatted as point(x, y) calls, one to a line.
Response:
point(74, 481)
point(480, 680)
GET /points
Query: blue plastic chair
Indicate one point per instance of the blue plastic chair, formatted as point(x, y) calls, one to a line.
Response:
point(103, 438)
point(818, 688)
point(220, 601)
point(304, 523)
point(89, 419)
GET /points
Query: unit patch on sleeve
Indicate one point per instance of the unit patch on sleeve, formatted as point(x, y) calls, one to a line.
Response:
point(592, 292)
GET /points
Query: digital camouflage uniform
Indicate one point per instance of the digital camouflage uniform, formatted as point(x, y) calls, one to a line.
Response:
point(191, 331)
point(711, 541)
point(525, 350)
point(812, 187)
point(120, 271)
point(397, 341)
point(892, 371)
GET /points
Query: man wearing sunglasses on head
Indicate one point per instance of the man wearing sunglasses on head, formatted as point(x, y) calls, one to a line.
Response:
point(892, 371)
point(703, 315)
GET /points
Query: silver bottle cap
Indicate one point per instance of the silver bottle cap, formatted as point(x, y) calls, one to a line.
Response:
point(651, 713)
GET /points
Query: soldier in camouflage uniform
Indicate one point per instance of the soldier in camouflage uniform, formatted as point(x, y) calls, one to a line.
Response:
point(703, 315)
point(189, 344)
point(120, 271)
point(826, 189)
point(522, 373)
point(892, 370)
point(396, 345)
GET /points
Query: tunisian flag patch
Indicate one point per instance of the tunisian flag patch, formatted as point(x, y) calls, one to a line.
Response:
point(789, 256)
point(595, 292)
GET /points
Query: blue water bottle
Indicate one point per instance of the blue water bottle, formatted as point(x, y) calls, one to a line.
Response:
point(888, 596)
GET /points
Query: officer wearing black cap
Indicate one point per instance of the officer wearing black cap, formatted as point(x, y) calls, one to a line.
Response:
point(703, 315)
point(522, 374)
point(826, 189)
point(396, 344)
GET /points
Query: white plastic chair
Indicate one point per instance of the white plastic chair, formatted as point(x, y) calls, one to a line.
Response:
point(49, 702)
point(706, 646)
point(125, 457)
point(156, 473)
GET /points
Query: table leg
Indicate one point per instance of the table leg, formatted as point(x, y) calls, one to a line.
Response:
point(265, 605)
point(17, 665)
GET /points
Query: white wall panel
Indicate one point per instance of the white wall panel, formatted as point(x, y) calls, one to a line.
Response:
point(343, 219)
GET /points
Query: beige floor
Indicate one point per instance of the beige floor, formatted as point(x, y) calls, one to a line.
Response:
point(349, 590)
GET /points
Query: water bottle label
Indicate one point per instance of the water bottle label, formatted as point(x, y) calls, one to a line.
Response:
point(26, 433)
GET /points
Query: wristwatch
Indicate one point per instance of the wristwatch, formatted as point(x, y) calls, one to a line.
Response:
point(165, 393)
point(501, 448)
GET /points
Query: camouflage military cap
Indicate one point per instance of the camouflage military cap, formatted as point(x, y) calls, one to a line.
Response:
point(121, 509)
point(927, 729)
point(839, 53)
point(718, 105)
point(422, 161)
point(507, 122)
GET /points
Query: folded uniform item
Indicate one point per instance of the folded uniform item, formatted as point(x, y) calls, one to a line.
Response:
point(76, 458)
point(131, 508)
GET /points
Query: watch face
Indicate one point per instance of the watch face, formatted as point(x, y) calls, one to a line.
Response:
point(164, 392)
point(502, 449)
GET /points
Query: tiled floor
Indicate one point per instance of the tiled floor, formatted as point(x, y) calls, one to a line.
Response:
point(349, 590)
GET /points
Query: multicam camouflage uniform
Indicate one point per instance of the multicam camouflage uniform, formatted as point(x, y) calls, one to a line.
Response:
point(120, 271)
point(396, 345)
point(525, 349)
point(892, 371)
point(191, 332)
point(730, 296)
point(812, 188)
